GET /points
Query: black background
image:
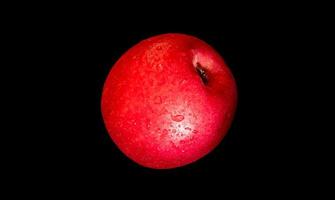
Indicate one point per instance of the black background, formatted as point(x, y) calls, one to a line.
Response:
point(67, 57)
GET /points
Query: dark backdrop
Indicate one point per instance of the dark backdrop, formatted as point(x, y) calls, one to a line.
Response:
point(71, 57)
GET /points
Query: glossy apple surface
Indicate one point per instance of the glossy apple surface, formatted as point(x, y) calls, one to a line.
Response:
point(168, 101)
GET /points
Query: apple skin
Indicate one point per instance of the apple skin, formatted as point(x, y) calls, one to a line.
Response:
point(168, 101)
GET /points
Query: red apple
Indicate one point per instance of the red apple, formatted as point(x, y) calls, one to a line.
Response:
point(168, 101)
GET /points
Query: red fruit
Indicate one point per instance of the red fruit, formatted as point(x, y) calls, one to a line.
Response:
point(168, 101)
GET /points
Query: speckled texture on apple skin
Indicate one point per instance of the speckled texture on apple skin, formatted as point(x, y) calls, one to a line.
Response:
point(157, 109)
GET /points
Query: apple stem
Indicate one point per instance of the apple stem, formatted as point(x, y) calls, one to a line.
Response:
point(202, 73)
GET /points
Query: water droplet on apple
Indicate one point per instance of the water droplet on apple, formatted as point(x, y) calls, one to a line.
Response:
point(173, 145)
point(159, 67)
point(158, 100)
point(173, 130)
point(148, 122)
point(180, 135)
point(164, 133)
point(194, 131)
point(177, 118)
point(188, 129)
point(159, 48)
